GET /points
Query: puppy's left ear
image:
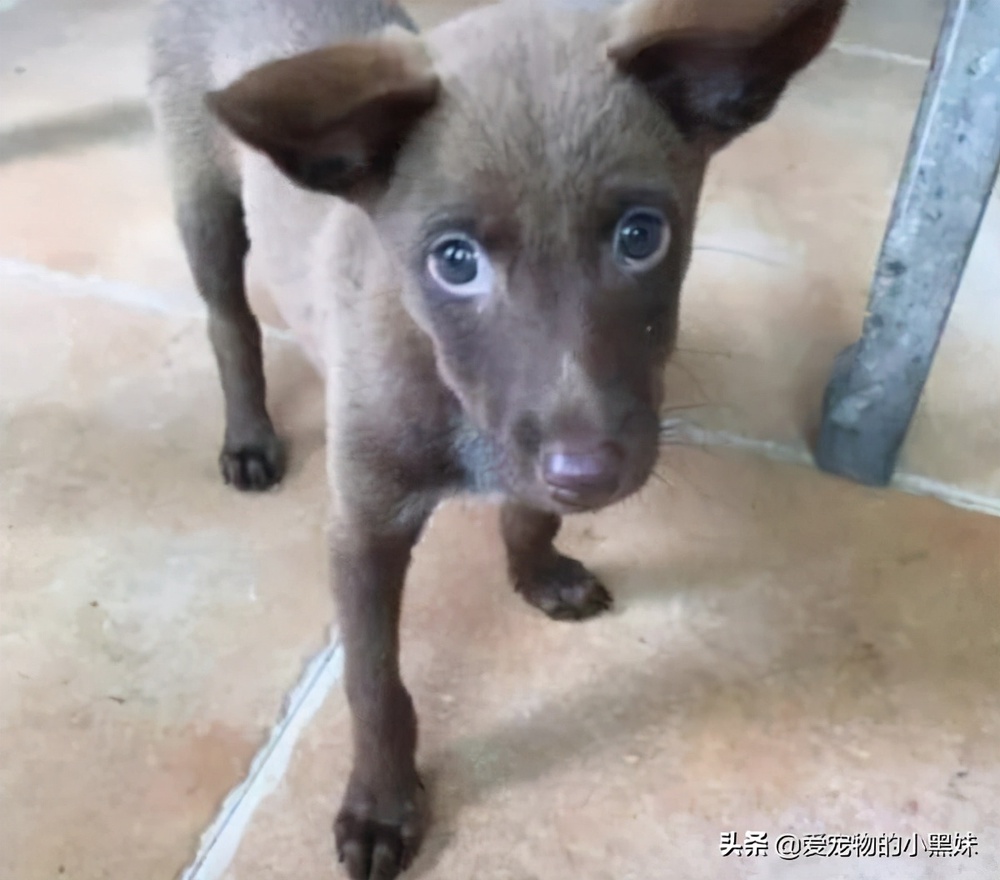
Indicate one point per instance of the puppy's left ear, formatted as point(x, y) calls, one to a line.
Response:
point(720, 66)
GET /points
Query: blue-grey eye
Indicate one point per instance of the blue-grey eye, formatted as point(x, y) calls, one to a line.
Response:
point(459, 265)
point(641, 239)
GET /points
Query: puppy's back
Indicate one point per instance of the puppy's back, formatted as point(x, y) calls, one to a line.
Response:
point(220, 39)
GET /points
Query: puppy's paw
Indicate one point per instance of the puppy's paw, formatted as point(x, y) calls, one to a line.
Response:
point(565, 590)
point(378, 838)
point(253, 467)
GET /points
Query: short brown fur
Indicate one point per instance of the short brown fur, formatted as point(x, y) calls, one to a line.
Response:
point(479, 234)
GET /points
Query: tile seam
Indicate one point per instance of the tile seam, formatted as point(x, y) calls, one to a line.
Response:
point(147, 299)
point(221, 840)
point(862, 50)
point(690, 434)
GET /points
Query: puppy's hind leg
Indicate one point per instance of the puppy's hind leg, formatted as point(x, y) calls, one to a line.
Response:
point(210, 218)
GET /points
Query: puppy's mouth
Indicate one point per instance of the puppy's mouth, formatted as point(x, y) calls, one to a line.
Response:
point(567, 504)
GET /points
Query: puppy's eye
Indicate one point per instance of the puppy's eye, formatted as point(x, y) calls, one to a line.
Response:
point(641, 239)
point(459, 265)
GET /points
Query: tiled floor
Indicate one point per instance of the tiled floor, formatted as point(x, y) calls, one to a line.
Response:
point(789, 654)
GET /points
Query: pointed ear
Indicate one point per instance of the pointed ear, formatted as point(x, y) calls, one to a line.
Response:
point(720, 66)
point(333, 119)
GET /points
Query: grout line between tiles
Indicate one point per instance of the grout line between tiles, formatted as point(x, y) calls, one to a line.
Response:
point(689, 434)
point(152, 300)
point(131, 295)
point(221, 840)
point(915, 484)
point(82, 286)
point(860, 50)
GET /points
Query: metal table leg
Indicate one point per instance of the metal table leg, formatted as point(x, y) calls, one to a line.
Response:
point(949, 173)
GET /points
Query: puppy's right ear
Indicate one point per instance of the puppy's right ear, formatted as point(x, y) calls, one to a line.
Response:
point(333, 119)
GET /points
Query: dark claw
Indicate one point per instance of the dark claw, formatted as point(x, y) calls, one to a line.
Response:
point(377, 850)
point(253, 468)
point(566, 591)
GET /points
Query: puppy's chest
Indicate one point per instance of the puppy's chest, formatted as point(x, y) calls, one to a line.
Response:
point(478, 461)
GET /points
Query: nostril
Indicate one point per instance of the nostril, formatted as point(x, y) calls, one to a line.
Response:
point(591, 472)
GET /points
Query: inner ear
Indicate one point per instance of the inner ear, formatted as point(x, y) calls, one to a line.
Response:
point(333, 119)
point(719, 67)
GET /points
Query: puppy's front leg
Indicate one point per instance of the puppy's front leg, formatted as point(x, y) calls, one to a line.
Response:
point(380, 824)
point(560, 586)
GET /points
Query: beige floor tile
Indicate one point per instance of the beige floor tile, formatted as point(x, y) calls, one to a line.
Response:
point(788, 654)
point(955, 436)
point(84, 61)
point(908, 27)
point(151, 619)
point(102, 211)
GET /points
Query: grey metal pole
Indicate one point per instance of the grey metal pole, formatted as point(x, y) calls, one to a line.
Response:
point(947, 179)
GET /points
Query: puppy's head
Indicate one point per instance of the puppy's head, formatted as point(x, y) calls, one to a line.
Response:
point(535, 172)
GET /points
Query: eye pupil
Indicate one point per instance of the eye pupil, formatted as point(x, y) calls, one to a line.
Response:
point(640, 236)
point(457, 261)
point(636, 239)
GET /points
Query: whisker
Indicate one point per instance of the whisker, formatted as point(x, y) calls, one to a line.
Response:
point(736, 252)
point(684, 407)
point(704, 352)
point(691, 376)
point(657, 475)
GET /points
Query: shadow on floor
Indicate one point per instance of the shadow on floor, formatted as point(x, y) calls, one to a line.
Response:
point(111, 122)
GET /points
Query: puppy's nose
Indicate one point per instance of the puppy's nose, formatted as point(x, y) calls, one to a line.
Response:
point(583, 477)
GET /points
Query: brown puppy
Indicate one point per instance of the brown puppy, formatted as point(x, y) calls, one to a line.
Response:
point(480, 236)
